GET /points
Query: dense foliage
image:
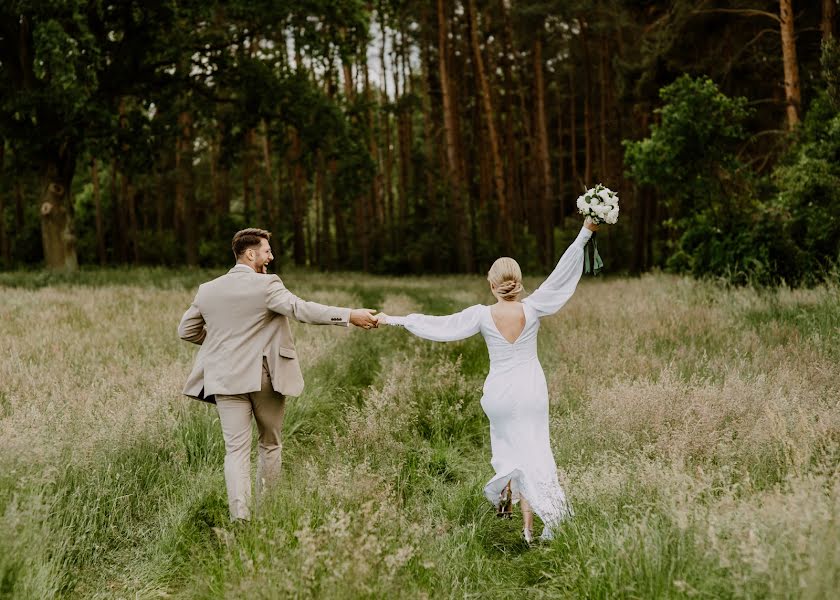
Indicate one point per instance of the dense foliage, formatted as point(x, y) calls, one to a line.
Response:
point(394, 136)
point(730, 221)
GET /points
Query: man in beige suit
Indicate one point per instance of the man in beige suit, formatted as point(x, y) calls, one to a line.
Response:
point(247, 363)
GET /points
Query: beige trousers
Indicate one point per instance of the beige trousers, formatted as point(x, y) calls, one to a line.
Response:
point(267, 407)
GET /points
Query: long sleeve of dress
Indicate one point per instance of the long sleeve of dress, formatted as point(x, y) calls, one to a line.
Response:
point(560, 285)
point(442, 329)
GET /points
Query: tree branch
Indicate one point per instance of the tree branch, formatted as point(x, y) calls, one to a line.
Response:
point(744, 12)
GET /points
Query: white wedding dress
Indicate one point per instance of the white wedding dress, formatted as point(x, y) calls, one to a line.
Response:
point(515, 392)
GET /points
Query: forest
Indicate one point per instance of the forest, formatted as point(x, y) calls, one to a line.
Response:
point(422, 137)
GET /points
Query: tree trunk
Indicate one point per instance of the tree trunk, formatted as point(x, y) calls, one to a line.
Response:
point(220, 175)
point(185, 186)
point(603, 169)
point(430, 131)
point(402, 171)
point(573, 152)
point(118, 225)
point(408, 134)
point(587, 109)
point(128, 193)
point(325, 257)
point(403, 123)
point(642, 217)
point(360, 199)
point(511, 144)
point(342, 248)
point(298, 202)
point(57, 233)
point(829, 19)
point(459, 209)
point(253, 158)
point(4, 234)
point(247, 172)
point(490, 128)
point(271, 200)
point(640, 231)
point(561, 166)
point(347, 70)
point(793, 97)
point(371, 217)
point(97, 200)
point(18, 206)
point(164, 179)
point(485, 179)
point(387, 181)
point(547, 233)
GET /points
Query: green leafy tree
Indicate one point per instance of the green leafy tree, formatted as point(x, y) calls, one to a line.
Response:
point(64, 66)
point(691, 160)
point(67, 66)
point(808, 178)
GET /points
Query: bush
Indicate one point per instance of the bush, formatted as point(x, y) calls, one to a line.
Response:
point(724, 227)
point(808, 181)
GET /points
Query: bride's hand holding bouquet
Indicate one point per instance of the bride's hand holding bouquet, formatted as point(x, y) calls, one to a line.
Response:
point(598, 205)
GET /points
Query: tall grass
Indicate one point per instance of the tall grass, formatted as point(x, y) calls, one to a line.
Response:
point(697, 430)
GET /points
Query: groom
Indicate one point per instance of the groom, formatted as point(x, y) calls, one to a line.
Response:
point(247, 363)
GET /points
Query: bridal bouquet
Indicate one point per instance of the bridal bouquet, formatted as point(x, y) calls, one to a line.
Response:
point(601, 205)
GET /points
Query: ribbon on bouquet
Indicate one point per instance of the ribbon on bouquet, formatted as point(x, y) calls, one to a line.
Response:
point(596, 264)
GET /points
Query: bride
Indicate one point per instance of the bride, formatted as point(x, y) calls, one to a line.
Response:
point(515, 393)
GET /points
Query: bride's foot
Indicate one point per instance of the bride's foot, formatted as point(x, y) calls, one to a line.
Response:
point(528, 536)
point(547, 534)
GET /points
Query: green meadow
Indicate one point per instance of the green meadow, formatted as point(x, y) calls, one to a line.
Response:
point(696, 428)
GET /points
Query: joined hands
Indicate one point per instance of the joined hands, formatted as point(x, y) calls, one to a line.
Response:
point(364, 318)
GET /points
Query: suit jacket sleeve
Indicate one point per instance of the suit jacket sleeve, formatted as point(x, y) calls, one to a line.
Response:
point(191, 328)
point(282, 301)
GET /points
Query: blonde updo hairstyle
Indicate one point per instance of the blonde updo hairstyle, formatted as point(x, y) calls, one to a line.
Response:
point(506, 277)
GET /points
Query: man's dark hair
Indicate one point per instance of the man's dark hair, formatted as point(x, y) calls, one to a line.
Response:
point(248, 238)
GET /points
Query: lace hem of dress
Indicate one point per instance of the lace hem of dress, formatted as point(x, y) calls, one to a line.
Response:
point(545, 495)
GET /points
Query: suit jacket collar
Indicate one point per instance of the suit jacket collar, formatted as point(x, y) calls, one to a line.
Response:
point(240, 268)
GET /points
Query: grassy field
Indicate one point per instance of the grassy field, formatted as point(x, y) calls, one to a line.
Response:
point(697, 430)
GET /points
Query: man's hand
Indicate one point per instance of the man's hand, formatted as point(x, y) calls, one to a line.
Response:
point(364, 318)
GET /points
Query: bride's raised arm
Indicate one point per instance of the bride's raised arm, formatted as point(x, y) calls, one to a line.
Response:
point(440, 329)
point(560, 285)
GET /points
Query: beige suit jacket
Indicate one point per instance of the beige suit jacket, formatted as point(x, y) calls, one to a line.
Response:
point(238, 319)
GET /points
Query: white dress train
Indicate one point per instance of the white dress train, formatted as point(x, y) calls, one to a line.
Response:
point(515, 393)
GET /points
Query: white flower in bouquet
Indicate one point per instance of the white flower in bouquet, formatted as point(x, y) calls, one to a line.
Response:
point(599, 204)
